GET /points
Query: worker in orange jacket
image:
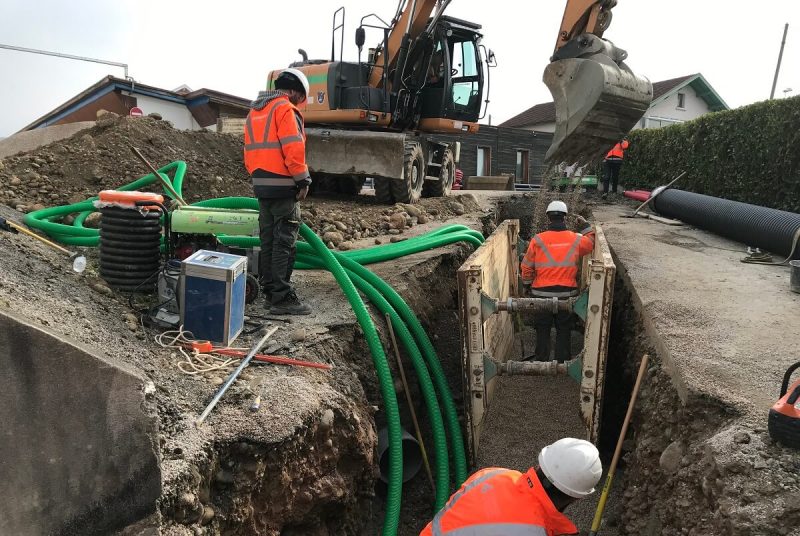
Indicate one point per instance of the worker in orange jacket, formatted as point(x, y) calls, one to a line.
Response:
point(611, 166)
point(550, 269)
point(505, 502)
point(275, 157)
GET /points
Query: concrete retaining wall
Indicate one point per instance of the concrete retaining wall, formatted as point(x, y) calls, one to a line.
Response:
point(31, 139)
point(79, 438)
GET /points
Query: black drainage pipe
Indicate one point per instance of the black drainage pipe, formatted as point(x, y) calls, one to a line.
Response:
point(765, 228)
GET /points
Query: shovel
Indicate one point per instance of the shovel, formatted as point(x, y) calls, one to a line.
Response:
point(78, 260)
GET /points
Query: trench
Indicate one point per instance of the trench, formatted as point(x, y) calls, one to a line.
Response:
point(323, 479)
point(663, 467)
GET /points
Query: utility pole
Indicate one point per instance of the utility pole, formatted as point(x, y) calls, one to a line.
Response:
point(780, 57)
point(68, 56)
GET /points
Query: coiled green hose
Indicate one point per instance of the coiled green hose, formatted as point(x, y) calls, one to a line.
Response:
point(78, 235)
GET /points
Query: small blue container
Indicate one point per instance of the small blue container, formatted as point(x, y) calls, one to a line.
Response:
point(212, 295)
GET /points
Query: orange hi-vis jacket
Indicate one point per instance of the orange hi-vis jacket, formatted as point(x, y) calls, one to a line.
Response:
point(552, 258)
point(275, 148)
point(618, 151)
point(494, 502)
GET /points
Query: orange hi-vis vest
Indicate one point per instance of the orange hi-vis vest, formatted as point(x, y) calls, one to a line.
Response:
point(275, 149)
point(552, 258)
point(618, 151)
point(494, 502)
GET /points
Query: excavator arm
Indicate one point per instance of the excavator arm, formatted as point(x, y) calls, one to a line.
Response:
point(584, 16)
point(411, 23)
point(598, 99)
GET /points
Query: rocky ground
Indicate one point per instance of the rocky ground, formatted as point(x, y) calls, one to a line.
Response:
point(696, 463)
point(99, 158)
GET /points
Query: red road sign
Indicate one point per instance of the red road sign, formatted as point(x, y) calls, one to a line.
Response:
point(136, 112)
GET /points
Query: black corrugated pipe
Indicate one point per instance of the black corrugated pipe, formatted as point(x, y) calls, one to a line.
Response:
point(765, 228)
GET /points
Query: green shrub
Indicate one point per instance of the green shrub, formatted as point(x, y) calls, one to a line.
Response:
point(751, 154)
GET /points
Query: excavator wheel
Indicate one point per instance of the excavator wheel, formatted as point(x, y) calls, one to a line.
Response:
point(409, 188)
point(383, 190)
point(447, 175)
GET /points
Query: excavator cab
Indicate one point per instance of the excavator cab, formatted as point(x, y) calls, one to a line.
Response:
point(454, 79)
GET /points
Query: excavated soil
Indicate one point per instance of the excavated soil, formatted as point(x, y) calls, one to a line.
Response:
point(305, 462)
point(696, 467)
point(100, 158)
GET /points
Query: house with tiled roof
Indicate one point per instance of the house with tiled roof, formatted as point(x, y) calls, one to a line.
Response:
point(187, 109)
point(674, 101)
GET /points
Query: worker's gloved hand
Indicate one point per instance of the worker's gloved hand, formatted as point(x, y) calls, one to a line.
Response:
point(583, 225)
point(526, 289)
point(302, 193)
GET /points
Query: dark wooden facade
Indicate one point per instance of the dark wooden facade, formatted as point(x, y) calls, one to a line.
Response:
point(503, 144)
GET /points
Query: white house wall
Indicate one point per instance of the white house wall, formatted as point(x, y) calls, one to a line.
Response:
point(693, 108)
point(177, 114)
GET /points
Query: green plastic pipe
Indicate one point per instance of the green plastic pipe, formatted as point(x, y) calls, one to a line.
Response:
point(428, 351)
point(391, 409)
point(426, 385)
point(78, 235)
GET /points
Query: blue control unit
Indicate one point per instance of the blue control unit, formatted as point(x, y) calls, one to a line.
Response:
point(212, 292)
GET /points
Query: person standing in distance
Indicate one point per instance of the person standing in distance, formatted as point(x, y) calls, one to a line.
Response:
point(612, 165)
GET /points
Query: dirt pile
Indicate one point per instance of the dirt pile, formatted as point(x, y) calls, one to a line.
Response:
point(340, 222)
point(76, 168)
point(73, 169)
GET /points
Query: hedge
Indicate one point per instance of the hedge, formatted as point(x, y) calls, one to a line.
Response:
point(751, 154)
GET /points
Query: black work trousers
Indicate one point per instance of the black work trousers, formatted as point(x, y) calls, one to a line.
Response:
point(611, 169)
point(279, 223)
point(543, 322)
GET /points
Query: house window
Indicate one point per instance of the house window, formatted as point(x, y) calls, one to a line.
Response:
point(681, 100)
point(484, 167)
point(521, 170)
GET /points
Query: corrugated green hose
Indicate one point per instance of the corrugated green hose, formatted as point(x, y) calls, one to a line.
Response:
point(383, 372)
point(428, 351)
point(312, 255)
point(426, 385)
point(78, 235)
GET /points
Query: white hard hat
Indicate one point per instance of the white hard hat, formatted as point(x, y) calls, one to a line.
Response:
point(557, 206)
point(572, 465)
point(297, 73)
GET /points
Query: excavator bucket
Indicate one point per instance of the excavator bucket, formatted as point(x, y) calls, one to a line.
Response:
point(597, 103)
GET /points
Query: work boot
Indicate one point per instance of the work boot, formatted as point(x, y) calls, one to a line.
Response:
point(290, 305)
point(267, 299)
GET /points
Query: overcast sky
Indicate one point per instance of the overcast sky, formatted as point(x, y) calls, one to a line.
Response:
point(230, 46)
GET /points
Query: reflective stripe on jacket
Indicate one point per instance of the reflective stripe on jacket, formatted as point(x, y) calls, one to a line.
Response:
point(618, 151)
point(552, 258)
point(498, 501)
point(275, 148)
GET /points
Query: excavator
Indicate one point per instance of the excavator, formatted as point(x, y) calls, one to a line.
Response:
point(429, 74)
